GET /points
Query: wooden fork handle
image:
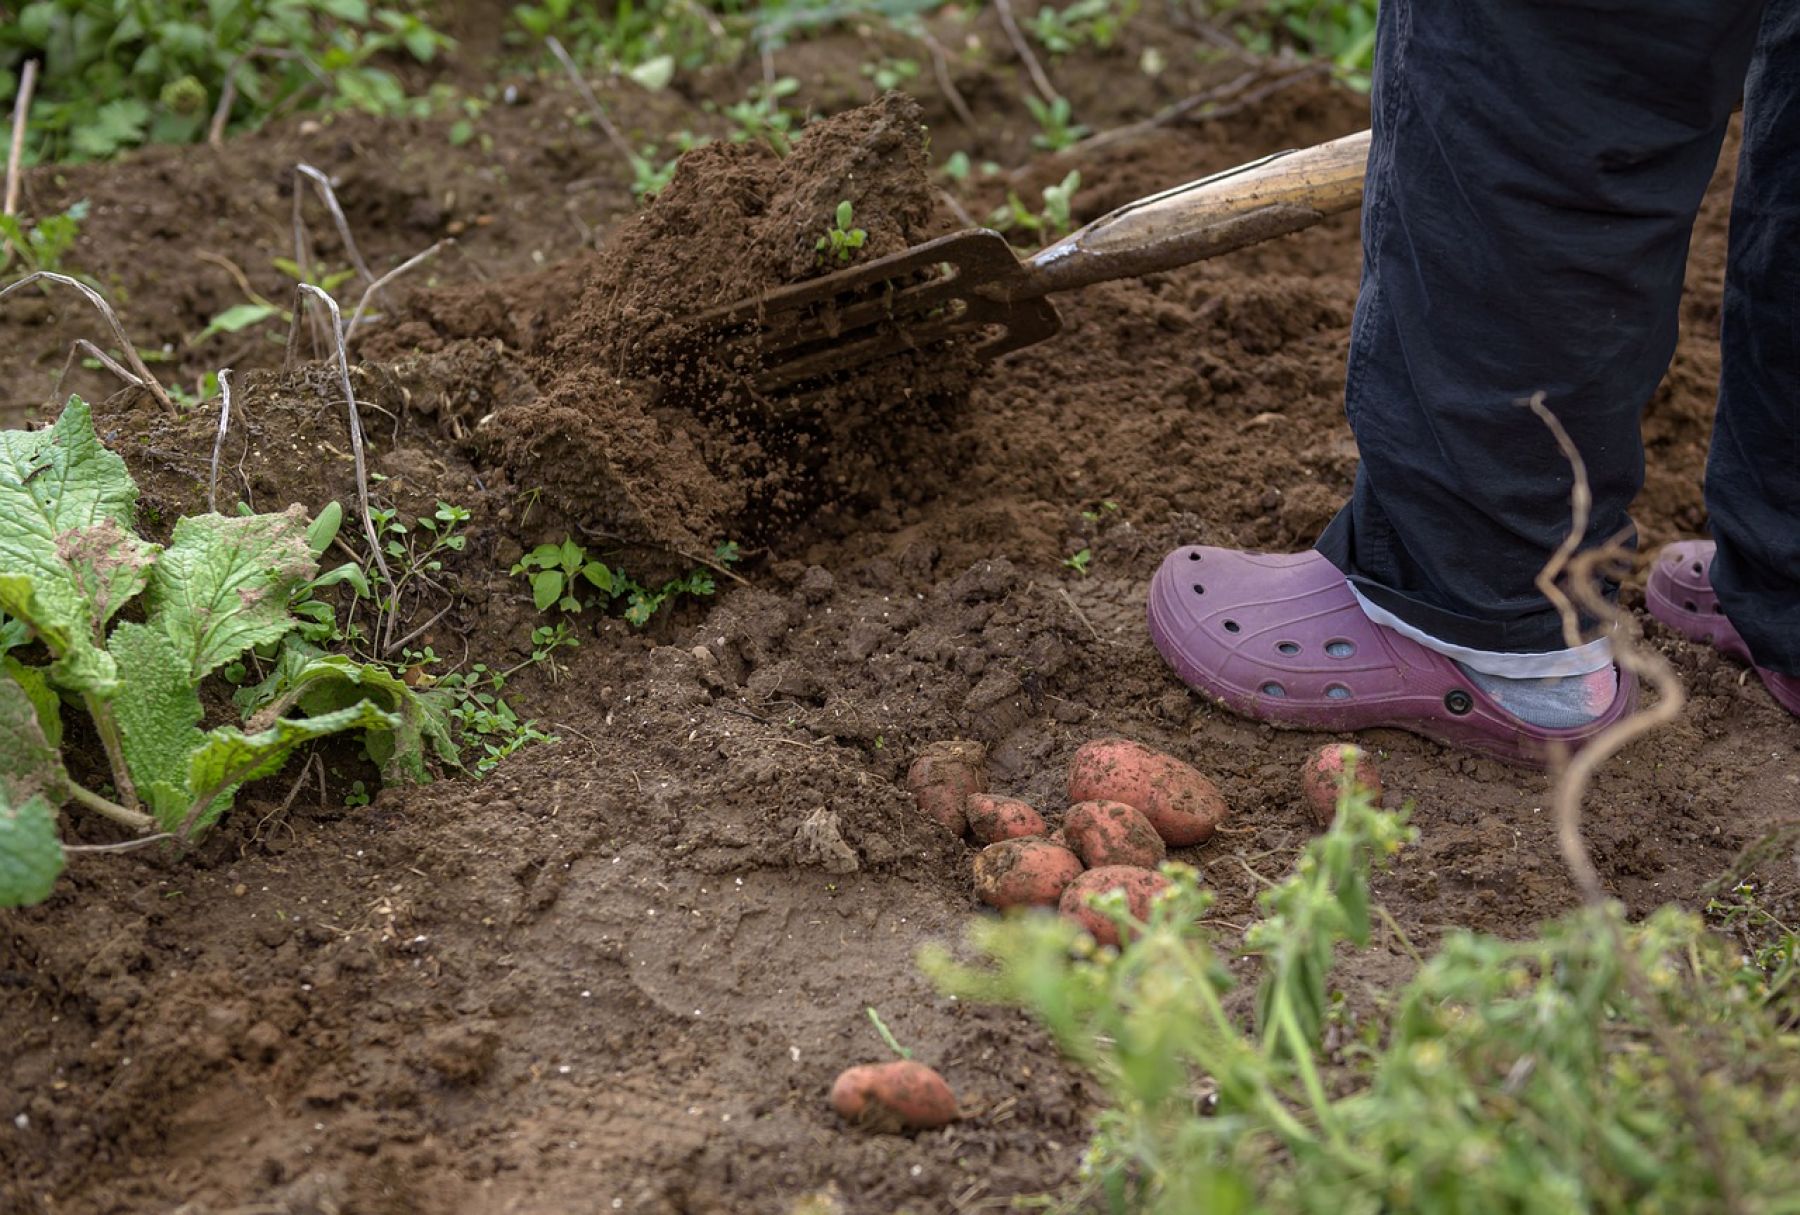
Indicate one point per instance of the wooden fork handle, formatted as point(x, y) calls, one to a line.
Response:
point(1254, 202)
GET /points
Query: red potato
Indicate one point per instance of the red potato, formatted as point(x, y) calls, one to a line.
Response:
point(1182, 805)
point(1112, 833)
point(943, 776)
point(1320, 778)
point(1140, 887)
point(1024, 873)
point(993, 818)
point(901, 1095)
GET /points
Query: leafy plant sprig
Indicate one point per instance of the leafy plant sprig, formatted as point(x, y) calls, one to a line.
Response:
point(222, 586)
point(841, 240)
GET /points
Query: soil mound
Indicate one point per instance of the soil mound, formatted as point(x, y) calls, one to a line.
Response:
point(642, 433)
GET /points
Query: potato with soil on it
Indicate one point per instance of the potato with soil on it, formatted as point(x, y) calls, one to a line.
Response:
point(1140, 886)
point(901, 1095)
point(1323, 773)
point(942, 778)
point(1024, 873)
point(1182, 805)
point(993, 818)
point(1105, 833)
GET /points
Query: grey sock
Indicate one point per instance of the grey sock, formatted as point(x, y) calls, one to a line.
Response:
point(1555, 703)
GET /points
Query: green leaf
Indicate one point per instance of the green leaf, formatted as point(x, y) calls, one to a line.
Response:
point(229, 757)
point(35, 683)
point(223, 584)
point(237, 318)
point(158, 711)
point(324, 527)
point(31, 856)
point(654, 74)
point(326, 683)
point(29, 764)
point(117, 124)
point(67, 506)
point(546, 588)
point(600, 576)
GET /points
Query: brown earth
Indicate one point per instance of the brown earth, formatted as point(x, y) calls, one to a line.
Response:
point(620, 972)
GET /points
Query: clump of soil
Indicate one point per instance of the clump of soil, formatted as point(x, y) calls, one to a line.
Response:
point(648, 432)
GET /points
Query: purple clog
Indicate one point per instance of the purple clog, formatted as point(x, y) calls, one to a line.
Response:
point(1280, 638)
point(1680, 595)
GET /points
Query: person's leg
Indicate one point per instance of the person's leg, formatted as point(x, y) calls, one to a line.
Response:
point(1753, 475)
point(1534, 177)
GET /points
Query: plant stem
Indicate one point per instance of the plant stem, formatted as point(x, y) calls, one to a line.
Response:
point(137, 820)
point(108, 729)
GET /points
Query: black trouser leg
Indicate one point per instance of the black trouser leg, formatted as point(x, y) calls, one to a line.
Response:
point(1753, 475)
point(1532, 184)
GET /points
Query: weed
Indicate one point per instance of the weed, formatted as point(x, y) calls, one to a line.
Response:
point(886, 74)
point(887, 1035)
point(219, 589)
point(1054, 221)
point(1341, 31)
point(148, 71)
point(761, 116)
point(1085, 23)
point(1107, 506)
point(841, 240)
point(40, 245)
point(1057, 128)
point(558, 573)
point(1506, 1076)
point(633, 34)
point(1079, 562)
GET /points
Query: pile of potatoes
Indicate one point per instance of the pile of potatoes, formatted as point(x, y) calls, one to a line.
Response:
point(1128, 806)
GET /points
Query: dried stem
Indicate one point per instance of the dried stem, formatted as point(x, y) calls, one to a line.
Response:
point(328, 196)
point(123, 846)
point(82, 346)
point(611, 131)
point(212, 482)
point(1584, 574)
point(1023, 48)
point(356, 435)
point(112, 319)
point(1232, 91)
point(940, 68)
point(15, 152)
point(411, 263)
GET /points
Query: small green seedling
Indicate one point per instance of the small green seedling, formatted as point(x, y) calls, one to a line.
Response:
point(1079, 562)
point(40, 245)
point(841, 240)
point(1106, 507)
point(888, 74)
point(556, 572)
point(887, 1035)
point(1053, 222)
point(1057, 128)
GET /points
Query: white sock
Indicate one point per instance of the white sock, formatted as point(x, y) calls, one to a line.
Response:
point(1554, 702)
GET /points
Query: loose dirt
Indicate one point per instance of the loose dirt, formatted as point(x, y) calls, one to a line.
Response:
point(621, 972)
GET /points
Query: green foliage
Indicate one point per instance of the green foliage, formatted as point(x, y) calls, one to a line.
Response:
point(1341, 31)
point(1057, 128)
point(560, 575)
point(40, 245)
point(760, 116)
point(1507, 1077)
point(841, 240)
point(886, 74)
point(1054, 221)
point(631, 34)
point(126, 72)
point(1079, 561)
point(1093, 23)
point(221, 589)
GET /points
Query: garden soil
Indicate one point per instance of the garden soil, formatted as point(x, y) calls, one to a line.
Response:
point(621, 971)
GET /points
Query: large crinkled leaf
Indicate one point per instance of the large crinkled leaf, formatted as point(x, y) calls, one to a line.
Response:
point(30, 854)
point(158, 711)
point(35, 683)
point(29, 765)
point(324, 683)
point(229, 757)
point(32, 784)
point(67, 506)
point(223, 584)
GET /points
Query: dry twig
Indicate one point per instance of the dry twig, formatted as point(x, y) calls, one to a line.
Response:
point(81, 346)
point(112, 320)
point(322, 187)
point(212, 481)
point(607, 126)
point(1023, 48)
point(1584, 574)
point(215, 134)
point(15, 151)
point(416, 260)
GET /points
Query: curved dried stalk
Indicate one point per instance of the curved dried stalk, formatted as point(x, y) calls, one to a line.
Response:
point(112, 320)
point(212, 481)
point(1022, 48)
point(1584, 574)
